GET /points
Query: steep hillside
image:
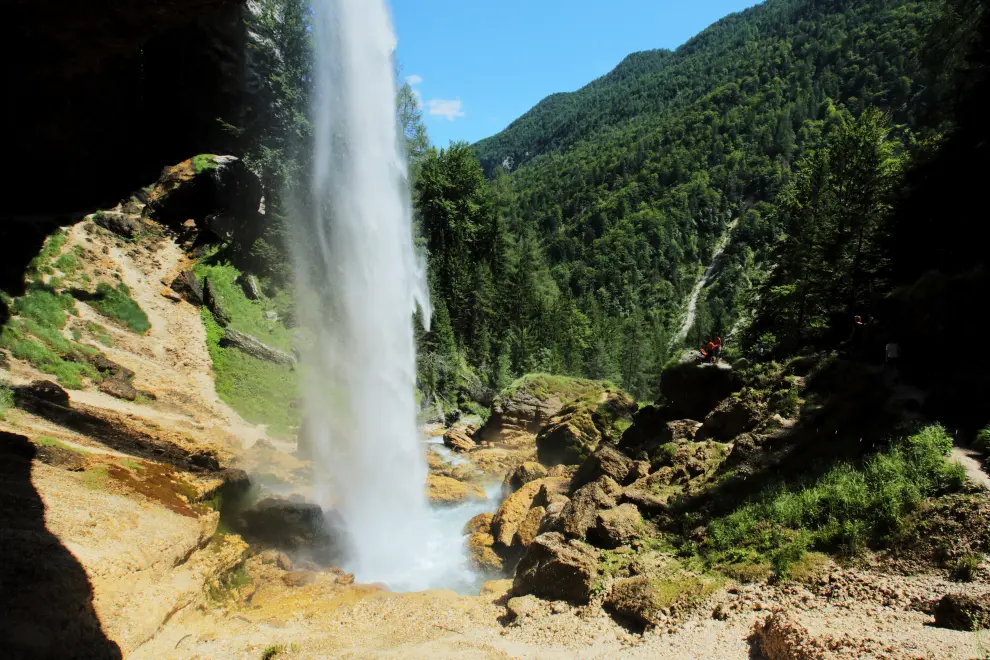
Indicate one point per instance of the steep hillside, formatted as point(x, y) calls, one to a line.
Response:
point(628, 184)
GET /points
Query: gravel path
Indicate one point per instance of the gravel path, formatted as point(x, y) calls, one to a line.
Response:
point(970, 460)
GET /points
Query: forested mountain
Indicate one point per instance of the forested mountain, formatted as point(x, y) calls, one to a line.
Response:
point(610, 199)
point(569, 242)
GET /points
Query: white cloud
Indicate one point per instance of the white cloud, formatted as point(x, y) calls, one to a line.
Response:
point(449, 108)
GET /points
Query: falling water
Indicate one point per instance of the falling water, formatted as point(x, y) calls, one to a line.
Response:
point(359, 282)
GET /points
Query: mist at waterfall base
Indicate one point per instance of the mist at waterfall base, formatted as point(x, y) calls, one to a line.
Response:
point(358, 282)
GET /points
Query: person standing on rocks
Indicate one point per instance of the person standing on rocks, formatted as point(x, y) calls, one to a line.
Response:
point(718, 349)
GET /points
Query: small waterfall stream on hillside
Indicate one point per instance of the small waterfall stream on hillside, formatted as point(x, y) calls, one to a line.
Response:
point(358, 284)
point(699, 286)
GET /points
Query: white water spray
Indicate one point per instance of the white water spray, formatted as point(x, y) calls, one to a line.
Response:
point(359, 282)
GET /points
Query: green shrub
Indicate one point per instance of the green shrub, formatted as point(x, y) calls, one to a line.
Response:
point(6, 399)
point(982, 442)
point(53, 245)
point(116, 303)
point(68, 264)
point(966, 568)
point(844, 510)
point(273, 651)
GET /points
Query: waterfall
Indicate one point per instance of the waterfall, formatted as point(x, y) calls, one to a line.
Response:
point(358, 284)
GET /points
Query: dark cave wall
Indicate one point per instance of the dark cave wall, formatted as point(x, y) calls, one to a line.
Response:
point(103, 94)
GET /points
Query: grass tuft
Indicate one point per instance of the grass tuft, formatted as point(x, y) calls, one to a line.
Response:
point(204, 162)
point(44, 307)
point(100, 333)
point(966, 568)
point(116, 303)
point(6, 399)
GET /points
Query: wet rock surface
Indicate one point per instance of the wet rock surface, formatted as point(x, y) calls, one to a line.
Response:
point(446, 491)
point(291, 526)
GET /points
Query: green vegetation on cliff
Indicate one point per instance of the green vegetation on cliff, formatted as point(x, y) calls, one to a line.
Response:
point(261, 392)
point(846, 509)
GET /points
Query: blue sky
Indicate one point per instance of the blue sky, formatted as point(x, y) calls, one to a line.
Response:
point(480, 64)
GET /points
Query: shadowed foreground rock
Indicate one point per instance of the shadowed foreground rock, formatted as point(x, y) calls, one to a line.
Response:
point(962, 612)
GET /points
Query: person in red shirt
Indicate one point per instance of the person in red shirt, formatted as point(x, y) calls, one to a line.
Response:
point(711, 351)
point(718, 349)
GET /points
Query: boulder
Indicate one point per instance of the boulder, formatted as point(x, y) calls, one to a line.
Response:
point(577, 430)
point(220, 193)
point(255, 348)
point(581, 513)
point(110, 368)
point(119, 388)
point(44, 390)
point(522, 475)
point(298, 578)
point(289, 525)
point(605, 462)
point(278, 559)
point(693, 390)
point(963, 612)
point(553, 517)
point(459, 439)
point(252, 288)
point(482, 554)
point(187, 286)
point(693, 459)
point(652, 427)
point(618, 526)
point(480, 523)
point(555, 568)
point(514, 509)
point(635, 599)
point(730, 418)
point(651, 494)
point(529, 528)
point(521, 411)
point(119, 223)
point(445, 491)
point(214, 302)
point(638, 470)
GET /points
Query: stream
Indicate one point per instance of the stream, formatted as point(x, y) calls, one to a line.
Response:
point(699, 286)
